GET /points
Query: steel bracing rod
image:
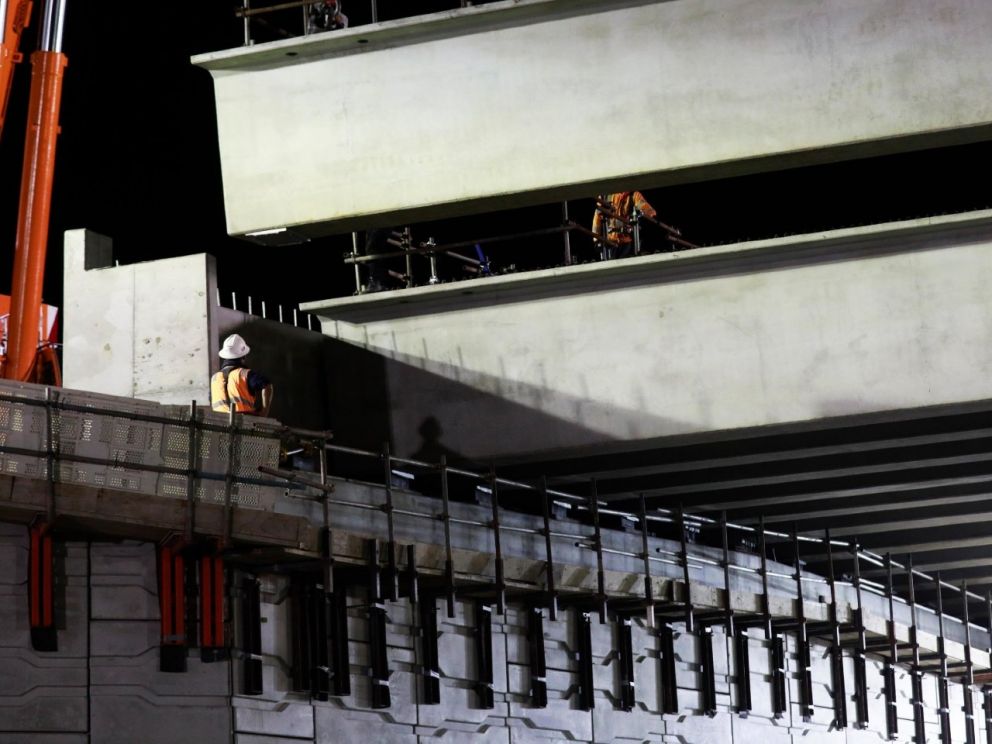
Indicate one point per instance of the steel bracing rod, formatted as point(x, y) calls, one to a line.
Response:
point(191, 473)
point(739, 634)
point(378, 657)
point(388, 508)
point(836, 649)
point(775, 641)
point(52, 452)
point(549, 561)
point(969, 675)
point(919, 724)
point(690, 621)
point(860, 675)
point(449, 247)
point(500, 578)
point(888, 670)
point(766, 610)
point(942, 693)
point(802, 641)
point(648, 582)
point(412, 575)
point(598, 542)
point(449, 563)
point(728, 608)
point(327, 537)
point(229, 479)
point(986, 689)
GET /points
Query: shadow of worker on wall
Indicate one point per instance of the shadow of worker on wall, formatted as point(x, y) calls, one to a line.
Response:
point(431, 450)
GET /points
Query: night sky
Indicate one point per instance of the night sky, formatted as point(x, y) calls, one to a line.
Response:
point(138, 161)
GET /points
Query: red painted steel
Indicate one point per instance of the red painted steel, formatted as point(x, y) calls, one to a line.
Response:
point(38, 172)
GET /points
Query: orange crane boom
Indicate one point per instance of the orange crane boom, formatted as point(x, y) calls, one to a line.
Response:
point(26, 359)
point(14, 18)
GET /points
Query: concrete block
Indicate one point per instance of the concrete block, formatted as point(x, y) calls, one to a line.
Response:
point(334, 725)
point(55, 708)
point(283, 719)
point(127, 718)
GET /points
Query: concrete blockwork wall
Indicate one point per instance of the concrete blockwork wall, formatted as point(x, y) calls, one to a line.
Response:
point(108, 653)
point(789, 330)
point(535, 100)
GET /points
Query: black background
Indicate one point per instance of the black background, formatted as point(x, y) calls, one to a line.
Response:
point(138, 161)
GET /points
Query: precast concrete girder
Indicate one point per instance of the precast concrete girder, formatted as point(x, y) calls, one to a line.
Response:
point(782, 333)
point(528, 101)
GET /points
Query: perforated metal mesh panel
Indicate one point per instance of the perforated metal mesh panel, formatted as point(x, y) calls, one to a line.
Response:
point(117, 449)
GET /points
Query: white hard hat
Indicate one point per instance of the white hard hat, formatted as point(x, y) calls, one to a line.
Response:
point(234, 347)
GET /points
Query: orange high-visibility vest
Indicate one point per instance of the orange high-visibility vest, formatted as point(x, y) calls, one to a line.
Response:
point(234, 391)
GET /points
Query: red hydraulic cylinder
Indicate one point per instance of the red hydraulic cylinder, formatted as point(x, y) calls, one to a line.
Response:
point(33, 215)
point(40, 587)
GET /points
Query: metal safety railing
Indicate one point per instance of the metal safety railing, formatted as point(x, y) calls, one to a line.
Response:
point(248, 13)
point(404, 246)
point(591, 510)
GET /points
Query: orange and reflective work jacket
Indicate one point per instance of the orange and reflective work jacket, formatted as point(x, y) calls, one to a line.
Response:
point(623, 205)
point(231, 386)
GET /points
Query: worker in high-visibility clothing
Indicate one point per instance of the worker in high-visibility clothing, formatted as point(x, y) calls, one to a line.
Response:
point(614, 225)
point(249, 391)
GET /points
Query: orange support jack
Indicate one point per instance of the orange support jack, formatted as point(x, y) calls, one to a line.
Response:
point(48, 64)
point(41, 595)
point(172, 604)
point(212, 642)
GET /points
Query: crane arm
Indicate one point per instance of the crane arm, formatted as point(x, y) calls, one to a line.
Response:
point(14, 17)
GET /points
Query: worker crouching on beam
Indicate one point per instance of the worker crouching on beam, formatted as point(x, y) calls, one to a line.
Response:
point(249, 391)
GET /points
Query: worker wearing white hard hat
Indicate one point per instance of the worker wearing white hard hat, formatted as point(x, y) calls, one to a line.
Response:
point(247, 390)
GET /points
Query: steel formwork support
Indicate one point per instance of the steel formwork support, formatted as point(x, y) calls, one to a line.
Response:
point(625, 660)
point(538, 664)
point(484, 655)
point(707, 673)
point(669, 681)
point(779, 700)
point(429, 657)
point(742, 654)
point(583, 624)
